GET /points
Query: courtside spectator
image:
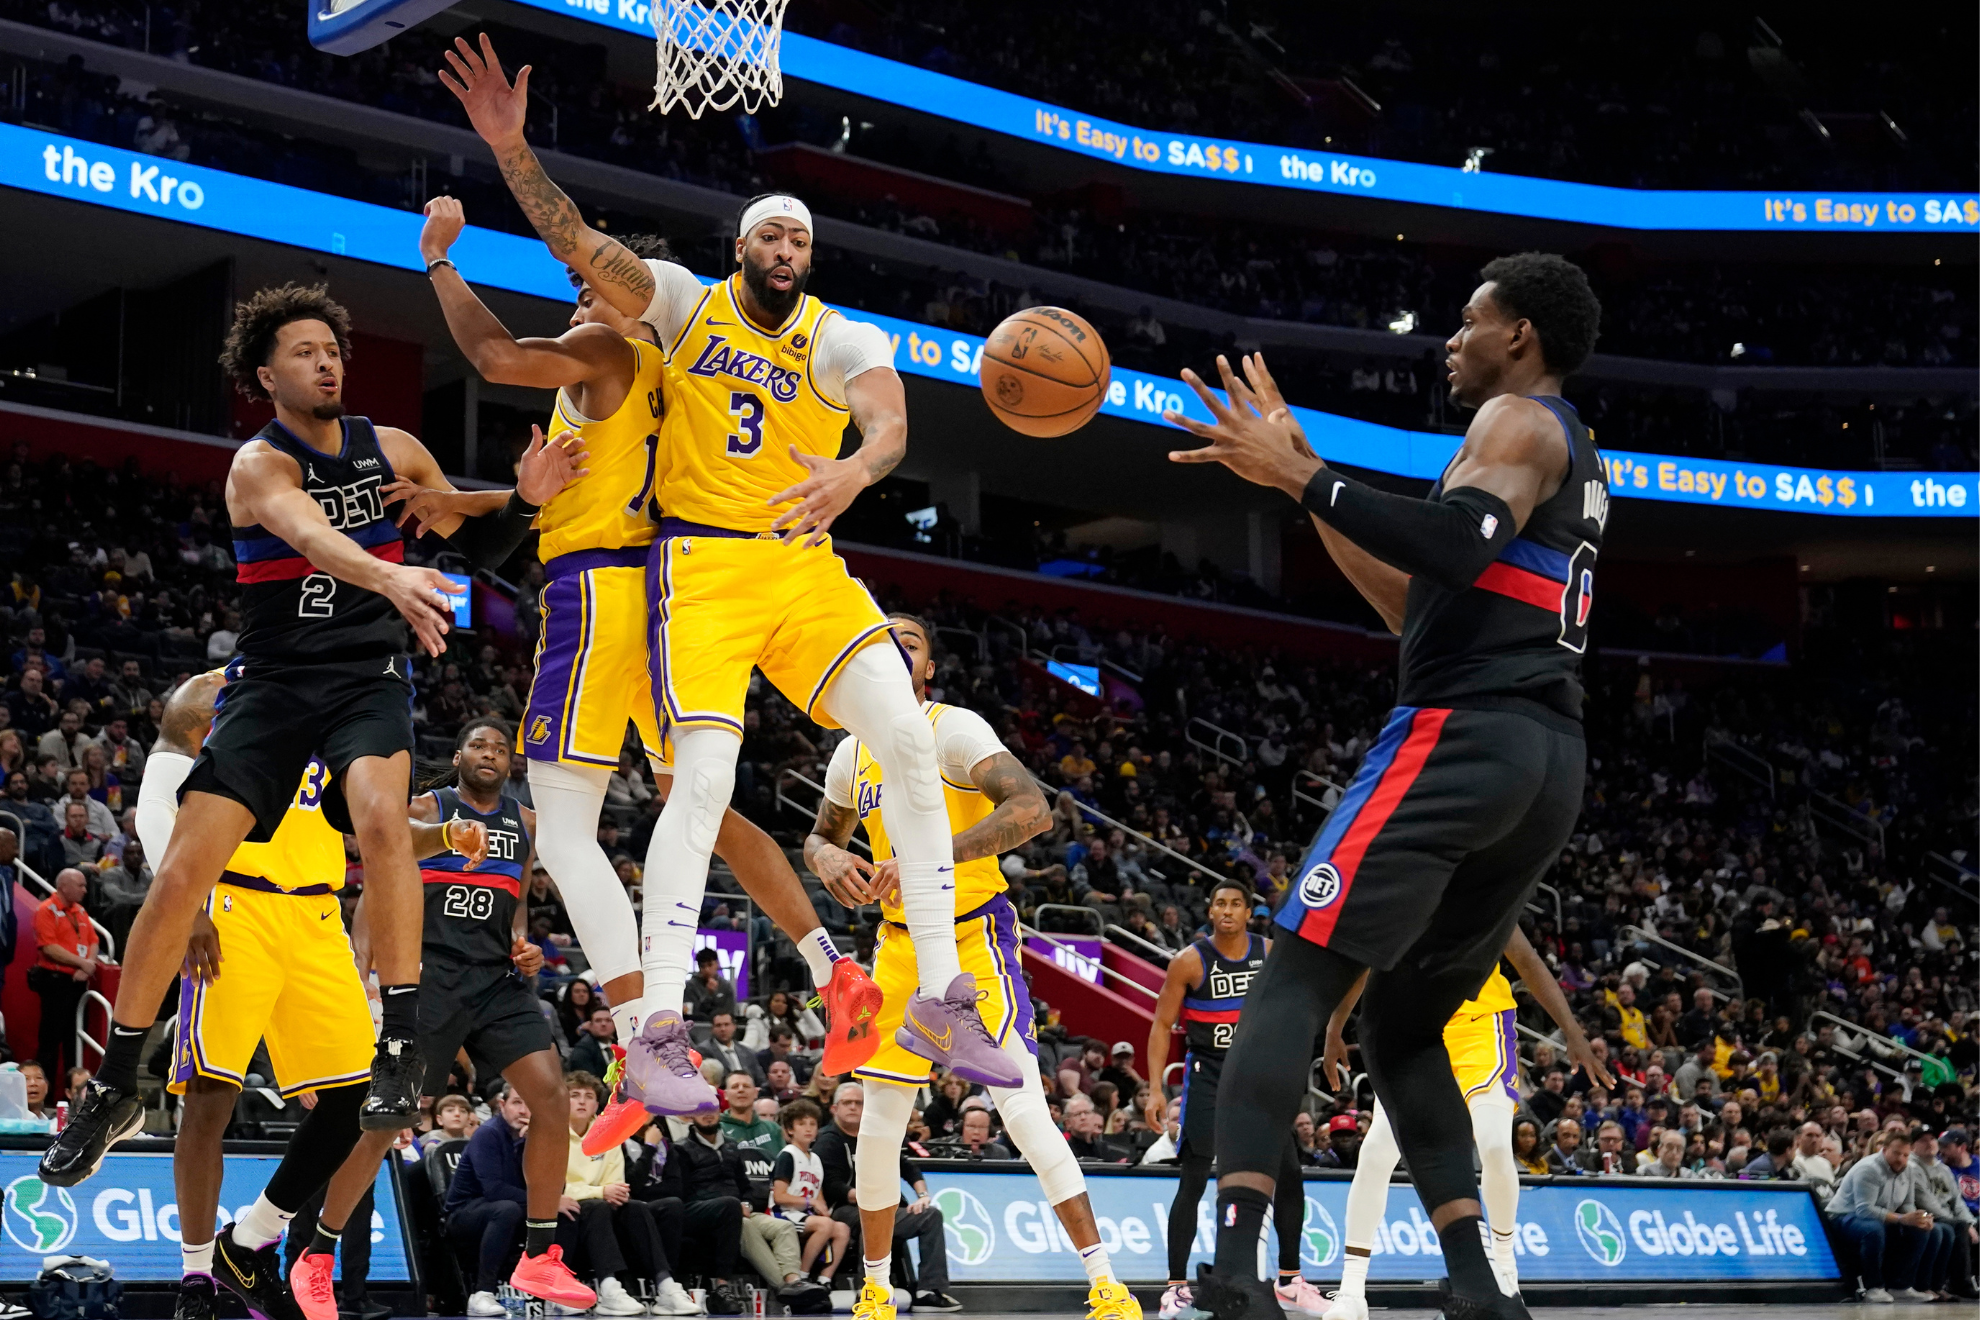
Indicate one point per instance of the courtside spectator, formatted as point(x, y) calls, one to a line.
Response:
point(1875, 1210)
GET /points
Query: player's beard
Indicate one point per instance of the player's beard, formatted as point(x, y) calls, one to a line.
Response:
point(779, 303)
point(329, 411)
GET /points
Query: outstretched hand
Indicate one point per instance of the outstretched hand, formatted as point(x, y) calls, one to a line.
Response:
point(821, 497)
point(546, 467)
point(495, 108)
point(1254, 434)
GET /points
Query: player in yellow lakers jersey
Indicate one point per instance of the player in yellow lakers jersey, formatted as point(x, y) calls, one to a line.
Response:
point(1484, 1052)
point(269, 960)
point(591, 662)
point(992, 805)
point(761, 381)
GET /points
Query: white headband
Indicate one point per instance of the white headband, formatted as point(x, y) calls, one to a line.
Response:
point(777, 206)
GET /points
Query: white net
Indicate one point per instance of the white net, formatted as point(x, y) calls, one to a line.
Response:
point(718, 54)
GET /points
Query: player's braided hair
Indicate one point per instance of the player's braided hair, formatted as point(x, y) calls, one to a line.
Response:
point(251, 339)
point(644, 246)
point(1551, 292)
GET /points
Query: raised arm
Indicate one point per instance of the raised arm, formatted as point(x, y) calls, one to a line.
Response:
point(497, 111)
point(267, 485)
point(1185, 969)
point(878, 402)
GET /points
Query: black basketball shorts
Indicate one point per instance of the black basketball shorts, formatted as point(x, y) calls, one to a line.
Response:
point(1452, 819)
point(489, 1010)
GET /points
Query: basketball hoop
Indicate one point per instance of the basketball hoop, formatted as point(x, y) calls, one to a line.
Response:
point(713, 55)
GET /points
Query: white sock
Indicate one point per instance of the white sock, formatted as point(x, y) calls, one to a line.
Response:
point(262, 1224)
point(627, 1018)
point(1099, 1269)
point(928, 900)
point(1502, 1253)
point(1354, 1275)
point(819, 955)
point(881, 1271)
point(196, 1259)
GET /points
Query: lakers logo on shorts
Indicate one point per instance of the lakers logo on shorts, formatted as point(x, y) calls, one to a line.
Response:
point(1320, 886)
point(539, 728)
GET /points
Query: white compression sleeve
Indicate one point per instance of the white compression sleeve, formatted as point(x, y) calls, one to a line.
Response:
point(1028, 1122)
point(568, 801)
point(1369, 1192)
point(1498, 1180)
point(158, 802)
point(877, 1162)
point(874, 698)
point(676, 875)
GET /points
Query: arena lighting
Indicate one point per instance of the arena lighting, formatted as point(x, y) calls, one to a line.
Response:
point(37, 161)
point(1474, 160)
point(1403, 324)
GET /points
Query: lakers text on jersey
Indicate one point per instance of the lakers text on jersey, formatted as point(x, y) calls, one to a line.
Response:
point(592, 670)
point(728, 594)
point(288, 975)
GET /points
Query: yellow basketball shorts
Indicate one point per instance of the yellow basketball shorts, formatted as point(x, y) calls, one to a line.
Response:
point(287, 975)
point(1484, 1056)
point(987, 942)
point(725, 603)
point(591, 661)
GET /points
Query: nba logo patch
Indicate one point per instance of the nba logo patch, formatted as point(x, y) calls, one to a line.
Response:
point(1490, 525)
point(226, 902)
point(539, 728)
point(1320, 886)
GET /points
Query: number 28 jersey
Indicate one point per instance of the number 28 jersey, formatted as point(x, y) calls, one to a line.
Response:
point(1514, 638)
point(470, 915)
point(293, 611)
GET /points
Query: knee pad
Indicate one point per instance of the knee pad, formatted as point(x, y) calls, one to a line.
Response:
point(705, 776)
point(1029, 1123)
point(877, 1162)
point(912, 740)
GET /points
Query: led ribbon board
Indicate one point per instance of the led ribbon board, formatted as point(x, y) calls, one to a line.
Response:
point(1326, 172)
point(154, 186)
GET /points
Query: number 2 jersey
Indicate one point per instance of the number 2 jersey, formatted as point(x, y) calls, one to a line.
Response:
point(470, 915)
point(1514, 638)
point(293, 611)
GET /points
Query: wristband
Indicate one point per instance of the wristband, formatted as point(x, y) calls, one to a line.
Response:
point(432, 266)
point(447, 836)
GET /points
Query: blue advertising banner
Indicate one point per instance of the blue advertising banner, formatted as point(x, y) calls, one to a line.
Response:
point(1321, 171)
point(128, 1214)
point(148, 185)
point(1001, 1229)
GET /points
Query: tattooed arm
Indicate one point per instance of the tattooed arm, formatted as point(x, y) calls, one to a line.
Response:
point(1021, 811)
point(497, 110)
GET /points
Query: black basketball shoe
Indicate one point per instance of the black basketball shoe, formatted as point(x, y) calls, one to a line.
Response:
point(255, 1277)
point(106, 1116)
point(1234, 1298)
point(196, 1297)
point(1499, 1307)
point(397, 1073)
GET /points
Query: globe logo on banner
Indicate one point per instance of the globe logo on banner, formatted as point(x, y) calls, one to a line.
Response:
point(40, 1219)
point(1319, 1237)
point(1600, 1233)
point(1320, 886)
point(972, 1236)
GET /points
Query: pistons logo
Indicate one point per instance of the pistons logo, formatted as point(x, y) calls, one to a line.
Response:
point(1320, 886)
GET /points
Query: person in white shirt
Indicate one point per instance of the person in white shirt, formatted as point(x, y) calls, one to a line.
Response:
point(795, 1181)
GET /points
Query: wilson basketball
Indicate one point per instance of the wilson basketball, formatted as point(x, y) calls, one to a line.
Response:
point(1045, 371)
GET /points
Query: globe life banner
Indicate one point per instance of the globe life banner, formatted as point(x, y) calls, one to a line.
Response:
point(128, 1214)
point(58, 166)
point(1596, 1231)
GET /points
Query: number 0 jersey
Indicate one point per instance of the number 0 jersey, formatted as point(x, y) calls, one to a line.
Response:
point(470, 915)
point(290, 609)
point(305, 852)
point(611, 507)
point(1210, 1008)
point(1515, 636)
point(738, 399)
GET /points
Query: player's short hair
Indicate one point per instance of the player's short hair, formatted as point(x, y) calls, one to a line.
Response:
point(588, 1081)
point(500, 726)
point(788, 1116)
point(1243, 889)
point(1551, 292)
point(902, 616)
point(647, 247)
point(251, 338)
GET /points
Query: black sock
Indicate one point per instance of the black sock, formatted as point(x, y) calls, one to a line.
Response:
point(120, 1061)
point(537, 1235)
point(1241, 1214)
point(1465, 1261)
point(401, 1011)
point(323, 1242)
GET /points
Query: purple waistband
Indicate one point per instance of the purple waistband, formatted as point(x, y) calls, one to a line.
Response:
point(670, 527)
point(580, 561)
point(266, 886)
point(990, 908)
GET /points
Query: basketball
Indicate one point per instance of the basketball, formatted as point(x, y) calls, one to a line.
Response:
point(1045, 371)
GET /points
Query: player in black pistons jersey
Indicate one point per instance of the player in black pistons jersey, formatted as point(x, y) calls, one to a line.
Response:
point(322, 669)
point(1474, 785)
point(474, 997)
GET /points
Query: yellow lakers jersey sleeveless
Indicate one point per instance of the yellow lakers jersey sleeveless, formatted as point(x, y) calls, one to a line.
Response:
point(738, 399)
point(304, 849)
point(611, 506)
point(1495, 996)
point(978, 881)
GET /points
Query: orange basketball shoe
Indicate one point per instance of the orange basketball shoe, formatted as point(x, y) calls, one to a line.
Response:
point(852, 1002)
point(623, 1117)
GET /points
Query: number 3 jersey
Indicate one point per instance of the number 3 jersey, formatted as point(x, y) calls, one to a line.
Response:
point(471, 914)
point(1515, 637)
point(293, 611)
